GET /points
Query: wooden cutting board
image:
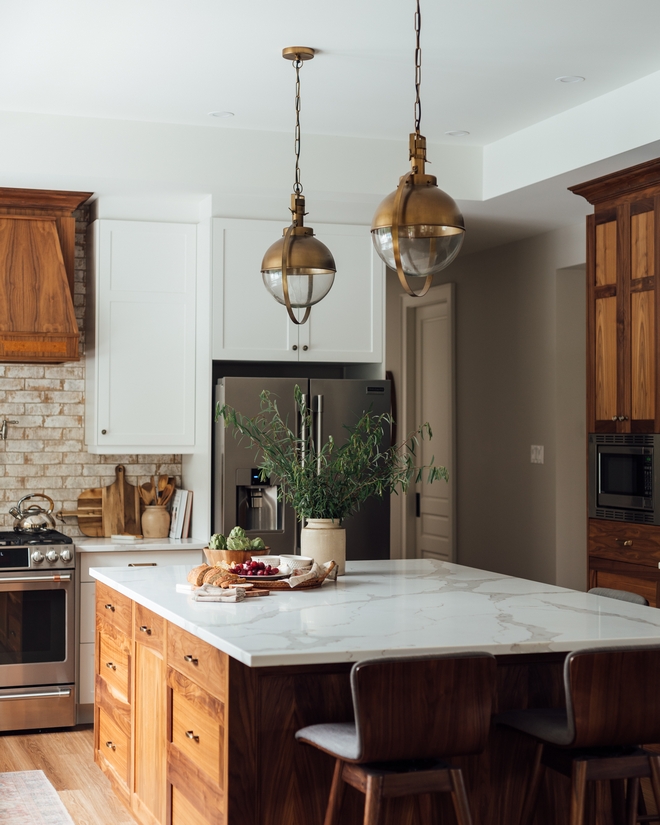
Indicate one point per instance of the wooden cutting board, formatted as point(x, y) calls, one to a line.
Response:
point(121, 506)
point(90, 519)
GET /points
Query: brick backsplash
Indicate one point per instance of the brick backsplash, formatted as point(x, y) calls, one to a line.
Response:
point(45, 452)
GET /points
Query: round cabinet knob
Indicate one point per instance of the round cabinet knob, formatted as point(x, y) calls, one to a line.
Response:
point(66, 555)
point(623, 418)
point(104, 432)
point(37, 557)
point(614, 418)
point(52, 556)
point(305, 347)
point(294, 347)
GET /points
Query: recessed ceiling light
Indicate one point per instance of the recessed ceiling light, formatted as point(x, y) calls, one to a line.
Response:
point(570, 78)
point(221, 114)
point(457, 133)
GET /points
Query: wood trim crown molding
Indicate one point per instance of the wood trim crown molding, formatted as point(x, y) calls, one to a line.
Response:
point(617, 184)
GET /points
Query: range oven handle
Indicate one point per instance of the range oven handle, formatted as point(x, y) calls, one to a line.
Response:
point(45, 695)
point(65, 577)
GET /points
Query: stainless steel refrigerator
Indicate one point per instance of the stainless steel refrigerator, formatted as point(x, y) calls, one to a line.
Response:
point(241, 498)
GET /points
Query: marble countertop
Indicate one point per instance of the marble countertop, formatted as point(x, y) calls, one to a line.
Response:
point(390, 608)
point(102, 545)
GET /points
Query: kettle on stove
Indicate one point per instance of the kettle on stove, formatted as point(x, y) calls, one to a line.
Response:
point(34, 519)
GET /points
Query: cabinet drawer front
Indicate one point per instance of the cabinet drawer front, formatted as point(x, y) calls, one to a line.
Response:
point(633, 584)
point(198, 660)
point(114, 665)
point(113, 745)
point(149, 629)
point(197, 734)
point(636, 543)
point(113, 608)
point(184, 812)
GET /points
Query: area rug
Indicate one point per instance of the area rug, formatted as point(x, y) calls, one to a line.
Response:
point(28, 798)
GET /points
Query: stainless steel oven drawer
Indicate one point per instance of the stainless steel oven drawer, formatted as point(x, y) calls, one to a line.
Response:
point(37, 707)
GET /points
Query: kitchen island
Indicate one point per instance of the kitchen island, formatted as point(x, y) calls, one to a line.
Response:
point(256, 671)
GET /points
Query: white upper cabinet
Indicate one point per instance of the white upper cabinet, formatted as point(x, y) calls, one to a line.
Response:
point(248, 324)
point(141, 337)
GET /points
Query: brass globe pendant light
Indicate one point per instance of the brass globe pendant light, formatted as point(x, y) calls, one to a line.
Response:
point(418, 229)
point(298, 270)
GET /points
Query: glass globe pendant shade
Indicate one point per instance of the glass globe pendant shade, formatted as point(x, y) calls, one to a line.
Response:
point(430, 229)
point(310, 270)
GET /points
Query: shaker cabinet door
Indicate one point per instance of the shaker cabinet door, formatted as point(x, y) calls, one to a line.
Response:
point(249, 324)
point(141, 385)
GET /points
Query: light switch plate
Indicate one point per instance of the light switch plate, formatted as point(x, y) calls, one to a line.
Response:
point(537, 454)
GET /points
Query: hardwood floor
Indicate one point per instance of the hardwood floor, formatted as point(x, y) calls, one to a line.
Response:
point(66, 757)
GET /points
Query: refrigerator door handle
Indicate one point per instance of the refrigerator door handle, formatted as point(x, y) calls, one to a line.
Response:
point(319, 431)
point(304, 435)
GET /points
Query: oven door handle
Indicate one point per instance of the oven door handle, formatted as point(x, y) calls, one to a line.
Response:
point(65, 577)
point(45, 695)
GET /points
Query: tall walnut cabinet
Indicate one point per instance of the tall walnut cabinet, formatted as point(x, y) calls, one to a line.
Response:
point(623, 353)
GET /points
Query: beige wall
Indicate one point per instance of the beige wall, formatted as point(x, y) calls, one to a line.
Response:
point(512, 391)
point(45, 451)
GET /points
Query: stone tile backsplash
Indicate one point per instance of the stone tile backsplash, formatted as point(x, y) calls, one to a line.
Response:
point(45, 452)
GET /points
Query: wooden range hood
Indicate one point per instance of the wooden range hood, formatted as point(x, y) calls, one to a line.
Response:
point(37, 252)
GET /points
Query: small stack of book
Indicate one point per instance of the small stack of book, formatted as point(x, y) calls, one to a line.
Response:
point(181, 511)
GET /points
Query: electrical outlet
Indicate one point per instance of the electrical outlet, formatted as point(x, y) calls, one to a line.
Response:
point(537, 454)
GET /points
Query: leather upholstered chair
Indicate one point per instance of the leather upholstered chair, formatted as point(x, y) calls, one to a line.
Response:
point(409, 713)
point(612, 708)
point(621, 595)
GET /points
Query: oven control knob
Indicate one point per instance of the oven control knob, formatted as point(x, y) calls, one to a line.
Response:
point(65, 555)
point(37, 557)
point(52, 556)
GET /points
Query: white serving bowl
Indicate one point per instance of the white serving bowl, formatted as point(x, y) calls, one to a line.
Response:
point(297, 562)
point(274, 561)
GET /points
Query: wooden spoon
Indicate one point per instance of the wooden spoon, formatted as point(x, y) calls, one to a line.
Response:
point(167, 495)
point(147, 493)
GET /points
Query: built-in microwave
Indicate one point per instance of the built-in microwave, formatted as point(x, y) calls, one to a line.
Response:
point(624, 477)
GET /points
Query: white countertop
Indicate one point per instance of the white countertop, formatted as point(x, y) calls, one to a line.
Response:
point(102, 545)
point(390, 608)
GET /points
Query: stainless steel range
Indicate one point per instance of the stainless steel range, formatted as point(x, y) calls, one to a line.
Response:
point(37, 630)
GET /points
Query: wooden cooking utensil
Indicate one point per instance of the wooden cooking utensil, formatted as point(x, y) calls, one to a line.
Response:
point(147, 493)
point(121, 506)
point(168, 492)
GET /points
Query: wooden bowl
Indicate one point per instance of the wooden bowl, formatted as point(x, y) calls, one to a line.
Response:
point(232, 556)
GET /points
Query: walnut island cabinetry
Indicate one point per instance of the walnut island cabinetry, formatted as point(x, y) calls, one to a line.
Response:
point(206, 698)
point(623, 355)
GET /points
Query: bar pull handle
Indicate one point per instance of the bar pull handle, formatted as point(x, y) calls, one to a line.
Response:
point(110, 607)
point(304, 435)
point(624, 542)
point(145, 629)
point(64, 577)
point(319, 431)
point(191, 735)
point(111, 665)
point(191, 659)
point(144, 564)
point(418, 505)
point(48, 694)
point(111, 745)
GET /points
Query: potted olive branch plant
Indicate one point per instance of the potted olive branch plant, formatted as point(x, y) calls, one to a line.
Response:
point(325, 483)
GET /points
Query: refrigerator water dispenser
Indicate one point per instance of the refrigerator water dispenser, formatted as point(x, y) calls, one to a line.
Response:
point(257, 507)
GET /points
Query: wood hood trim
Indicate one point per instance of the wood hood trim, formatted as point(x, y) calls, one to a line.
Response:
point(37, 253)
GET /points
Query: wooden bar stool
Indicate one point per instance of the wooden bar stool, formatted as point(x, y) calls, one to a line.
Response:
point(409, 713)
point(612, 707)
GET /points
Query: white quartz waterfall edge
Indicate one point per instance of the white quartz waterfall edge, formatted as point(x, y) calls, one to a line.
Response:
point(390, 608)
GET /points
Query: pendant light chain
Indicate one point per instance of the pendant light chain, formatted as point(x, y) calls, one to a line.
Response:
point(418, 69)
point(297, 186)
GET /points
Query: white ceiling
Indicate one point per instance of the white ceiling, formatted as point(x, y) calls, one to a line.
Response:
point(488, 67)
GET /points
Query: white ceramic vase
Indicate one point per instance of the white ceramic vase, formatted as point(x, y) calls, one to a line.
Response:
point(324, 540)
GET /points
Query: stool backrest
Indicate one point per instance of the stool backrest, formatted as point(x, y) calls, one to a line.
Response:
point(422, 707)
point(612, 695)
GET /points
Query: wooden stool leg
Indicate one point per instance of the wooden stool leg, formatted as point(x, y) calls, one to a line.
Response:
point(459, 797)
point(578, 791)
point(655, 779)
point(618, 793)
point(374, 795)
point(632, 801)
point(336, 795)
point(529, 803)
point(425, 804)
